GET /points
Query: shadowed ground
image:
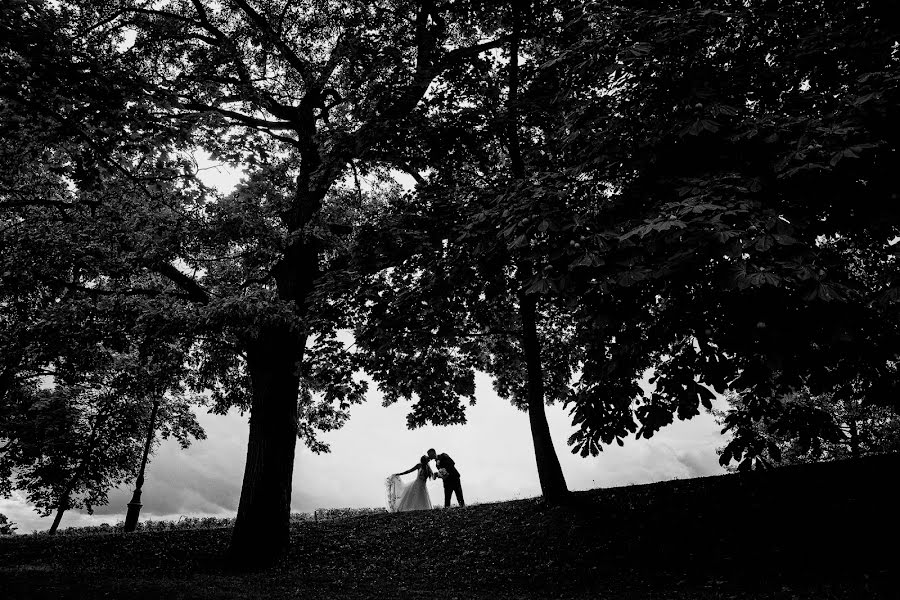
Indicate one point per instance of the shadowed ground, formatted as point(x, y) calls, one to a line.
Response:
point(818, 531)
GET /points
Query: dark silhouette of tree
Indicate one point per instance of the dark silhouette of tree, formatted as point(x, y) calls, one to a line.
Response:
point(800, 428)
point(84, 341)
point(66, 447)
point(663, 186)
point(457, 296)
point(300, 94)
point(747, 145)
point(7, 527)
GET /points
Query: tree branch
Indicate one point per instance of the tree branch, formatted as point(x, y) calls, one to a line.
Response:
point(358, 143)
point(460, 53)
point(205, 22)
point(147, 292)
point(160, 13)
point(454, 334)
point(194, 290)
point(331, 65)
point(244, 119)
point(29, 203)
point(301, 66)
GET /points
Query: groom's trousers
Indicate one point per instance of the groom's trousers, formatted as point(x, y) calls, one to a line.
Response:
point(453, 485)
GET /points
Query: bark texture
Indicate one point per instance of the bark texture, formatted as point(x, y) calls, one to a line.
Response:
point(261, 530)
point(262, 527)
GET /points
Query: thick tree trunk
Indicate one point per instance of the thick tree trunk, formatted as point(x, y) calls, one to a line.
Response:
point(553, 483)
point(262, 527)
point(261, 530)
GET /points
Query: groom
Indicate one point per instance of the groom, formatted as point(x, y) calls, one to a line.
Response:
point(451, 480)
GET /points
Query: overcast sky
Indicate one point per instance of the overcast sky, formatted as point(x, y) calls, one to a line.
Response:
point(493, 452)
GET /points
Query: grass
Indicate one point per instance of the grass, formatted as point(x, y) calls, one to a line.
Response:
point(814, 531)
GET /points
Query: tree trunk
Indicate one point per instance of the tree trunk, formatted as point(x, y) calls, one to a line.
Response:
point(553, 483)
point(262, 527)
point(61, 507)
point(63, 504)
point(261, 530)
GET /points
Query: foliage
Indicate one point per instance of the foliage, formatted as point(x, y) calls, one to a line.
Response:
point(183, 523)
point(336, 514)
point(68, 445)
point(297, 95)
point(666, 223)
point(800, 428)
point(740, 191)
point(691, 189)
point(192, 523)
point(82, 206)
point(448, 303)
point(7, 527)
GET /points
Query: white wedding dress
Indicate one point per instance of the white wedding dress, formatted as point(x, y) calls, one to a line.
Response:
point(402, 497)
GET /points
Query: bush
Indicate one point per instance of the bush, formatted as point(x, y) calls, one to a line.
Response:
point(186, 523)
point(7, 527)
point(333, 514)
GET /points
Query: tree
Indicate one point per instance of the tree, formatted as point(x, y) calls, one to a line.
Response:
point(459, 297)
point(742, 162)
point(7, 527)
point(799, 428)
point(68, 445)
point(245, 277)
point(82, 348)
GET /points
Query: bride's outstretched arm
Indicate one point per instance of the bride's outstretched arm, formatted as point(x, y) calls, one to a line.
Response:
point(409, 471)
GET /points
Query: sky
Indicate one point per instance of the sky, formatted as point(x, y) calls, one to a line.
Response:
point(493, 453)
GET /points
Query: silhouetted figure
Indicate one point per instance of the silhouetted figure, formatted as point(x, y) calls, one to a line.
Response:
point(446, 470)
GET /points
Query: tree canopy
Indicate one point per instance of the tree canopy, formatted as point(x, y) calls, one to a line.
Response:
point(750, 147)
point(699, 190)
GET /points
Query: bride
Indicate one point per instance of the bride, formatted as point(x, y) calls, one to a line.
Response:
point(412, 496)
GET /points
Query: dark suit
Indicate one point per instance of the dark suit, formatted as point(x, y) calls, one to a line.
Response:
point(452, 483)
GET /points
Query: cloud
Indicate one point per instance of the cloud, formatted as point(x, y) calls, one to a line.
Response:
point(493, 452)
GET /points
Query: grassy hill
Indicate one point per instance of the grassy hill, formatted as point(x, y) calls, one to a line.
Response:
point(815, 531)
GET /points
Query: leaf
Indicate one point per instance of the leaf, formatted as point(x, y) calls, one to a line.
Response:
point(785, 240)
point(629, 278)
point(761, 278)
point(709, 125)
point(724, 236)
point(824, 292)
point(541, 286)
point(705, 395)
point(764, 242)
point(518, 242)
point(842, 154)
point(589, 259)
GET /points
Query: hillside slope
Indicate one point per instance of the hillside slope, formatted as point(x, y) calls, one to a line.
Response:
point(815, 531)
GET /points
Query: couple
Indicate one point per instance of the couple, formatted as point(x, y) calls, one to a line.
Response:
point(414, 496)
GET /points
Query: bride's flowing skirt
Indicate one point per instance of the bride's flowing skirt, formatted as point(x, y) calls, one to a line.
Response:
point(394, 487)
point(402, 496)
